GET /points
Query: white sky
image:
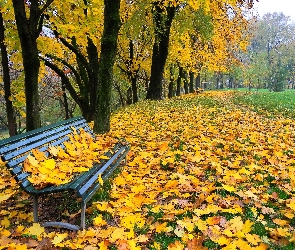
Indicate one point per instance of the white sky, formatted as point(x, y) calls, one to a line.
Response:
point(285, 6)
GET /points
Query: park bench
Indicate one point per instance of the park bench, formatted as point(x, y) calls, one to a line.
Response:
point(14, 151)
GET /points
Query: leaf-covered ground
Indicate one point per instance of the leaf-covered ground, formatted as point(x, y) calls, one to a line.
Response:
point(204, 172)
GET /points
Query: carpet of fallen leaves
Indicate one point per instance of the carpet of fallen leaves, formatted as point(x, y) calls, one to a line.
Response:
point(202, 173)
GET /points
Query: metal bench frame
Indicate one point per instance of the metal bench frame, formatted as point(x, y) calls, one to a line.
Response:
point(14, 151)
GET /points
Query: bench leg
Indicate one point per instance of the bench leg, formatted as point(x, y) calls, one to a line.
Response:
point(83, 211)
point(35, 208)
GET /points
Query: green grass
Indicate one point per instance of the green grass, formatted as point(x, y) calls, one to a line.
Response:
point(270, 104)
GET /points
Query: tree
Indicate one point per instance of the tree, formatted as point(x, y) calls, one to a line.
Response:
point(162, 17)
point(109, 40)
point(270, 52)
point(134, 47)
point(29, 29)
point(7, 82)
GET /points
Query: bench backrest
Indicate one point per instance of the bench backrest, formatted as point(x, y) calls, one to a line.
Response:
point(14, 150)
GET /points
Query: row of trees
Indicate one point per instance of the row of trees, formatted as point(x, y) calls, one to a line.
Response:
point(269, 60)
point(81, 41)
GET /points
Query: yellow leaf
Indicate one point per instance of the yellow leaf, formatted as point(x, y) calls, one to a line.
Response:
point(291, 205)
point(138, 188)
point(5, 222)
point(102, 246)
point(32, 160)
point(176, 246)
point(35, 229)
point(157, 246)
point(161, 227)
point(40, 156)
point(49, 164)
point(253, 239)
point(53, 150)
point(100, 180)
point(229, 188)
point(5, 232)
point(19, 229)
point(132, 245)
point(283, 232)
point(58, 238)
point(104, 157)
point(99, 221)
point(280, 222)
point(4, 197)
point(118, 233)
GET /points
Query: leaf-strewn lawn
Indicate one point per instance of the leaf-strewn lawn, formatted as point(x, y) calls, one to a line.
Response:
point(204, 172)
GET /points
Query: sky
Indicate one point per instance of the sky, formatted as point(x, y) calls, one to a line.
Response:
point(285, 6)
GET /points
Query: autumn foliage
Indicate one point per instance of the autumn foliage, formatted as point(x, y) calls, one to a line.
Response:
point(202, 173)
point(60, 165)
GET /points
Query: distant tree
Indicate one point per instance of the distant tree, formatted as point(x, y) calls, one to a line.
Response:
point(271, 52)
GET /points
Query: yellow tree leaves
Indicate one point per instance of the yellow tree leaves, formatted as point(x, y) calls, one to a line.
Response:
point(60, 165)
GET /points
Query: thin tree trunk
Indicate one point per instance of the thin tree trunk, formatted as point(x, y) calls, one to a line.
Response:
point(129, 96)
point(185, 83)
point(162, 17)
point(107, 59)
point(191, 82)
point(134, 89)
point(198, 81)
point(171, 83)
point(65, 102)
point(6, 79)
point(178, 84)
point(133, 74)
point(117, 87)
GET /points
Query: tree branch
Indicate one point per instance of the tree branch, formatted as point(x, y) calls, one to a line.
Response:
point(67, 82)
point(73, 49)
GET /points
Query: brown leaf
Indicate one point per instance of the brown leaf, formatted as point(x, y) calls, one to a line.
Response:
point(275, 195)
point(45, 244)
point(32, 243)
point(196, 243)
point(122, 245)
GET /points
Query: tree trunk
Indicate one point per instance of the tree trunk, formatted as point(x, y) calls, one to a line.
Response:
point(117, 87)
point(134, 89)
point(6, 79)
point(191, 82)
point(171, 83)
point(65, 100)
point(93, 81)
point(185, 83)
point(162, 18)
point(107, 59)
point(198, 81)
point(129, 96)
point(217, 80)
point(133, 75)
point(28, 31)
point(178, 83)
